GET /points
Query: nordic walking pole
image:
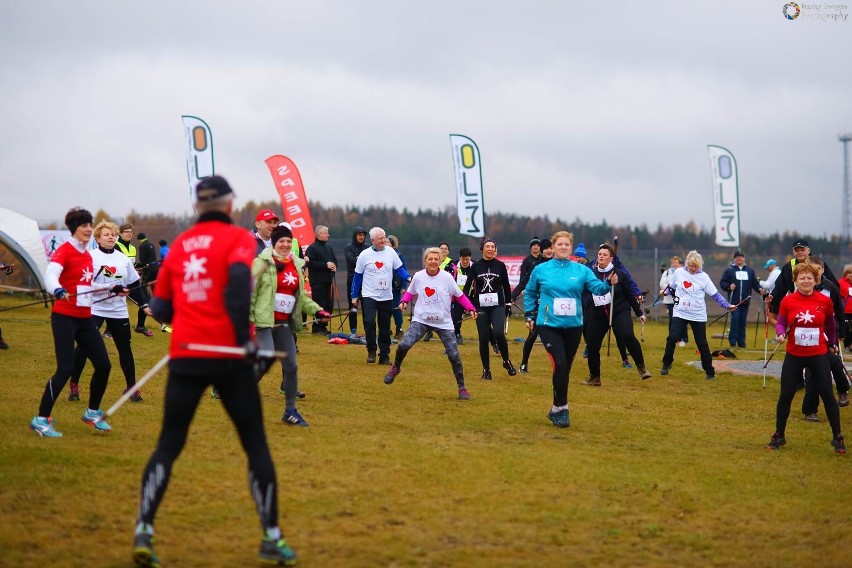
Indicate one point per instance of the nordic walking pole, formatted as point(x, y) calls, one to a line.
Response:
point(774, 351)
point(135, 388)
point(765, 338)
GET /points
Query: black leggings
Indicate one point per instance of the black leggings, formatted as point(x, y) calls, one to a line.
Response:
point(238, 389)
point(121, 336)
point(622, 327)
point(67, 330)
point(677, 329)
point(528, 345)
point(491, 320)
point(561, 344)
point(791, 375)
point(810, 402)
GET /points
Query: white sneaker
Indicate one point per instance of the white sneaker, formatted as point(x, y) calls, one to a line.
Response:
point(681, 343)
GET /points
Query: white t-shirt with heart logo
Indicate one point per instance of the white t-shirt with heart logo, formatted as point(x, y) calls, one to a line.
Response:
point(377, 266)
point(690, 290)
point(434, 296)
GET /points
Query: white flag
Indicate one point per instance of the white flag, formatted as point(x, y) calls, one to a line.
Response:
point(470, 198)
point(726, 197)
point(199, 151)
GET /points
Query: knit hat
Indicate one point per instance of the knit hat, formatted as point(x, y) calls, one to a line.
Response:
point(279, 233)
point(142, 236)
point(546, 244)
point(535, 241)
point(76, 217)
point(581, 251)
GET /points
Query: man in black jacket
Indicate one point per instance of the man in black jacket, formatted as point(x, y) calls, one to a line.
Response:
point(351, 252)
point(322, 264)
point(784, 284)
point(146, 264)
point(527, 265)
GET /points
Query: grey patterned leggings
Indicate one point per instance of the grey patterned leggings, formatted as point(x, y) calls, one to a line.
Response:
point(415, 333)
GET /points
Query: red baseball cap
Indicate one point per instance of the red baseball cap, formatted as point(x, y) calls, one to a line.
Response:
point(266, 215)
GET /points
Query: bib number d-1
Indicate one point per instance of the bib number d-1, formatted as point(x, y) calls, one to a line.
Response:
point(565, 306)
point(604, 300)
point(284, 303)
point(807, 336)
point(487, 300)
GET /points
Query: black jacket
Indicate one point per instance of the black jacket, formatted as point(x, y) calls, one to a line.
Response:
point(353, 249)
point(319, 254)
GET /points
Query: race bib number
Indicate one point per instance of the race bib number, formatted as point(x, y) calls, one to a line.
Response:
point(84, 298)
point(565, 306)
point(284, 303)
point(604, 300)
point(382, 283)
point(807, 336)
point(487, 300)
point(742, 275)
point(461, 280)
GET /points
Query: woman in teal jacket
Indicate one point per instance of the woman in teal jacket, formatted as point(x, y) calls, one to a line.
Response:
point(553, 303)
point(277, 303)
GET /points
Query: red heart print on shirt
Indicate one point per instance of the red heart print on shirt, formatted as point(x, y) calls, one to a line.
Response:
point(110, 271)
point(379, 264)
point(429, 291)
point(687, 284)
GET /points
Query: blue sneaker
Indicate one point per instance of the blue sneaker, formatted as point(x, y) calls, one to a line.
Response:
point(276, 552)
point(626, 364)
point(44, 427)
point(143, 551)
point(559, 418)
point(96, 419)
point(293, 418)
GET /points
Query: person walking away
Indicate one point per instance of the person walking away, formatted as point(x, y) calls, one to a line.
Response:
point(435, 290)
point(204, 290)
point(322, 266)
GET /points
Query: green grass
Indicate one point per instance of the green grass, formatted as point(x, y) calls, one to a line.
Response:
point(667, 472)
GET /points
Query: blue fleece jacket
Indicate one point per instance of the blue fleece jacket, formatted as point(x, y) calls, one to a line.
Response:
point(555, 286)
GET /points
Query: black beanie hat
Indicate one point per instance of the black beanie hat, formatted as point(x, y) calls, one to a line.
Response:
point(76, 217)
point(279, 233)
point(535, 241)
point(546, 244)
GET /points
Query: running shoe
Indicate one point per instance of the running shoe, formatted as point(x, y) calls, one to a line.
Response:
point(776, 442)
point(463, 394)
point(592, 381)
point(293, 418)
point(839, 445)
point(44, 427)
point(509, 368)
point(276, 553)
point(523, 369)
point(711, 375)
point(384, 360)
point(559, 418)
point(398, 335)
point(586, 353)
point(812, 417)
point(107, 335)
point(371, 356)
point(428, 336)
point(96, 419)
point(843, 399)
point(3, 344)
point(135, 397)
point(144, 331)
point(143, 551)
point(681, 343)
point(459, 339)
point(626, 364)
point(214, 393)
point(299, 394)
point(665, 370)
point(391, 374)
point(73, 391)
point(165, 328)
point(486, 374)
point(643, 372)
point(495, 348)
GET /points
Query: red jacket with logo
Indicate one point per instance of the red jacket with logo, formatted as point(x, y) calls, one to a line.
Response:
point(806, 319)
point(76, 278)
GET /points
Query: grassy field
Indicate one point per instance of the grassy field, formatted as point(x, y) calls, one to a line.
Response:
point(667, 472)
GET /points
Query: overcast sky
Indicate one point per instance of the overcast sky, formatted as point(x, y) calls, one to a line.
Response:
point(597, 110)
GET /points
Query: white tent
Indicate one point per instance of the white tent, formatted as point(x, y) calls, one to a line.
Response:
point(21, 236)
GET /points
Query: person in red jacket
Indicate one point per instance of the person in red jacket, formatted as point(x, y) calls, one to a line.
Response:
point(204, 290)
point(69, 274)
point(846, 298)
point(807, 320)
